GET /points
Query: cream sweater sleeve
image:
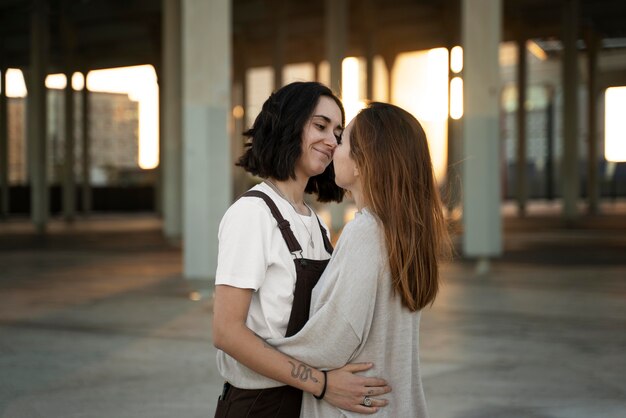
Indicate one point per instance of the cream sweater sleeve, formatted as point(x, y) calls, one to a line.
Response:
point(343, 301)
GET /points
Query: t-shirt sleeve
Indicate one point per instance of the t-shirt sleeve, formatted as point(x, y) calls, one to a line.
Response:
point(244, 243)
point(345, 308)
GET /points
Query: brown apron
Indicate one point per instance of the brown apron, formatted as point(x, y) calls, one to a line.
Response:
point(283, 401)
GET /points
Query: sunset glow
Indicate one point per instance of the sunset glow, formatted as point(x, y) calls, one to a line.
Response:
point(350, 87)
point(615, 124)
point(421, 87)
point(139, 83)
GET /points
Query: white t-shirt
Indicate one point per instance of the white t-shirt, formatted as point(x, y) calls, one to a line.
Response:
point(254, 255)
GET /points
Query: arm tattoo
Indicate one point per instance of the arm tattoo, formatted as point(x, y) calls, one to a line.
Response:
point(302, 372)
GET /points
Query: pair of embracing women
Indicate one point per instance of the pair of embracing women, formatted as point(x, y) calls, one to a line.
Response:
point(305, 330)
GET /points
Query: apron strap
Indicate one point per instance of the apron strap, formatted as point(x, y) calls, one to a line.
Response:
point(327, 243)
point(283, 224)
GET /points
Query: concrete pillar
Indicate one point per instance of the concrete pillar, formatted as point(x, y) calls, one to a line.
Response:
point(86, 150)
point(4, 147)
point(207, 181)
point(521, 176)
point(68, 38)
point(593, 192)
point(453, 191)
point(390, 61)
point(481, 34)
point(171, 117)
point(158, 170)
point(369, 17)
point(280, 35)
point(69, 179)
point(336, 44)
point(569, 161)
point(550, 144)
point(369, 67)
point(452, 195)
point(336, 39)
point(278, 63)
point(240, 177)
point(37, 121)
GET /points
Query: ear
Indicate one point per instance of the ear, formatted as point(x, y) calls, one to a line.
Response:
point(356, 171)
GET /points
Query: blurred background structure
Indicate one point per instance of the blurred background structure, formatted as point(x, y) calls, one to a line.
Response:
point(522, 101)
point(127, 116)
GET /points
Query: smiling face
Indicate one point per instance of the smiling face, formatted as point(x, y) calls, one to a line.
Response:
point(346, 171)
point(319, 138)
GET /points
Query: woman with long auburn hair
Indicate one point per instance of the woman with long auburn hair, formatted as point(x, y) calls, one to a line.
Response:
point(385, 267)
point(404, 197)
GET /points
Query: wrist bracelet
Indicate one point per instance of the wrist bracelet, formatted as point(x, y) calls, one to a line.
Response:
point(321, 396)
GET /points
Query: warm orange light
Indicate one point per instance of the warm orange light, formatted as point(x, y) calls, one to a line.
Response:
point(238, 112)
point(349, 213)
point(304, 71)
point(420, 85)
point(260, 83)
point(536, 50)
point(59, 81)
point(456, 59)
point(381, 83)
point(140, 83)
point(350, 87)
point(323, 73)
point(615, 124)
point(16, 86)
point(456, 98)
point(324, 214)
point(78, 81)
point(56, 81)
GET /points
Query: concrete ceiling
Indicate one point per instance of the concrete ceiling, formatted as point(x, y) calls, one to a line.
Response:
point(93, 34)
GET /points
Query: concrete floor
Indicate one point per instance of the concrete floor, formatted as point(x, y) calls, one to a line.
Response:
point(95, 321)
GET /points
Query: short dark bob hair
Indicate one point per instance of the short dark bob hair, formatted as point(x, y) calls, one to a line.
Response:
point(275, 138)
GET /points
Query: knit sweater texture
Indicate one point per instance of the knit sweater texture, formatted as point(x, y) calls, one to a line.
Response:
point(357, 317)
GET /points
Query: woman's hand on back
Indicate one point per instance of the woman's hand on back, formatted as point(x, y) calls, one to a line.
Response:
point(347, 390)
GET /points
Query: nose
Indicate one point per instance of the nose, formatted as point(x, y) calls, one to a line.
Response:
point(331, 141)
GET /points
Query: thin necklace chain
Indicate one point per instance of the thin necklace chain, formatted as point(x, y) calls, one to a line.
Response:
point(277, 190)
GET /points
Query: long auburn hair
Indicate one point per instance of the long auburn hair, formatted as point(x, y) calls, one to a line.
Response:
point(390, 150)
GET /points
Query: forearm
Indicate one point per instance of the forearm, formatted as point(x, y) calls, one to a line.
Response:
point(327, 324)
point(344, 389)
point(253, 352)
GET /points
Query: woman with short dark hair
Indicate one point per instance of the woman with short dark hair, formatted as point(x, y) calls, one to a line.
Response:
point(272, 251)
point(275, 144)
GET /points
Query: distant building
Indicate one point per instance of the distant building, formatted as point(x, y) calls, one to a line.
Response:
point(17, 144)
point(114, 134)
